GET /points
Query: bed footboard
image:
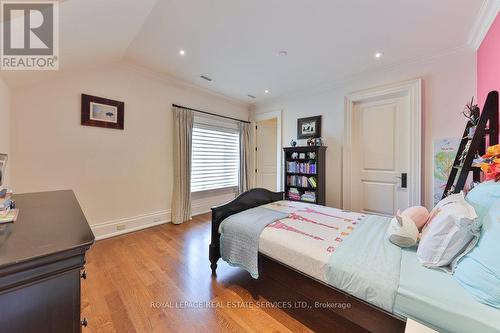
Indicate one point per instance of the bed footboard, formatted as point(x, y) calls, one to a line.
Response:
point(249, 199)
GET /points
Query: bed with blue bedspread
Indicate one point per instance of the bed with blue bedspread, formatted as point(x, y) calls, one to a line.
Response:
point(350, 253)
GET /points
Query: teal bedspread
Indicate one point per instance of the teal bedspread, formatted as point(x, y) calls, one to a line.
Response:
point(240, 233)
point(367, 265)
point(435, 299)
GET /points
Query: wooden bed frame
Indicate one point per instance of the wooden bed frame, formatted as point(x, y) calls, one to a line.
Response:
point(361, 313)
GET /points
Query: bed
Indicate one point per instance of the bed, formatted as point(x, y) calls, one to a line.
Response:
point(324, 254)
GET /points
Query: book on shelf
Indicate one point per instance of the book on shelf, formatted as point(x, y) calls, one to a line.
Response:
point(294, 194)
point(301, 167)
point(308, 196)
point(301, 181)
point(312, 182)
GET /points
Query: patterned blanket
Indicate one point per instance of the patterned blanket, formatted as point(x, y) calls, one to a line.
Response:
point(345, 249)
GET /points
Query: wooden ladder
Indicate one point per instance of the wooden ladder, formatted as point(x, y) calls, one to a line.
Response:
point(473, 145)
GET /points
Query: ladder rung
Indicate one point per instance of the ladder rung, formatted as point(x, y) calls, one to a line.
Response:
point(461, 166)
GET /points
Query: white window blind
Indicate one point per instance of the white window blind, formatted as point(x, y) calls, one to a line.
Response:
point(215, 159)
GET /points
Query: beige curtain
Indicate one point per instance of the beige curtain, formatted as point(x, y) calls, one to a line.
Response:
point(181, 197)
point(245, 167)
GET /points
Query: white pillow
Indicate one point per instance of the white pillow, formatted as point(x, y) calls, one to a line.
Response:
point(450, 233)
point(402, 231)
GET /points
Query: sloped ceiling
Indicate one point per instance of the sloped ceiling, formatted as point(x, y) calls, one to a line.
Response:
point(237, 42)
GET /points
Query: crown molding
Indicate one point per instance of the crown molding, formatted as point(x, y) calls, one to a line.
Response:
point(327, 86)
point(172, 80)
point(487, 14)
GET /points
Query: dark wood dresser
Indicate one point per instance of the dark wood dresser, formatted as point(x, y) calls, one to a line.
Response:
point(42, 257)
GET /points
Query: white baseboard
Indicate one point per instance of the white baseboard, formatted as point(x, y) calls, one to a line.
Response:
point(129, 224)
point(200, 205)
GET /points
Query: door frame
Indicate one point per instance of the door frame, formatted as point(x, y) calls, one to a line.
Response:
point(411, 88)
point(279, 151)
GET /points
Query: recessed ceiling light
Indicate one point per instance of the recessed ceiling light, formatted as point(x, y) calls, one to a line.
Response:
point(378, 55)
point(282, 53)
point(266, 91)
point(182, 52)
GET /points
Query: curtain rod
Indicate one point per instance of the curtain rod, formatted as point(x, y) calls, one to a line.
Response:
point(210, 113)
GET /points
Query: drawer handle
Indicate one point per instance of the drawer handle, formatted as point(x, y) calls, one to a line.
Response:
point(83, 274)
point(84, 322)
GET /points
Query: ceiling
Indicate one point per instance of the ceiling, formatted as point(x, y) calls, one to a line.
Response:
point(236, 42)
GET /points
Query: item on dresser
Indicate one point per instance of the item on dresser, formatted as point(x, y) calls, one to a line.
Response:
point(3, 166)
point(8, 216)
point(5, 192)
point(6, 204)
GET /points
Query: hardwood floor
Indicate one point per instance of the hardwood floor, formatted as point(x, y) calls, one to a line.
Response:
point(159, 280)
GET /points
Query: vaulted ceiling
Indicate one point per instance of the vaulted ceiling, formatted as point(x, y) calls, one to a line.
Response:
point(237, 43)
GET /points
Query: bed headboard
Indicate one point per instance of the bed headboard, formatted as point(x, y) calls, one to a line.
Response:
point(249, 199)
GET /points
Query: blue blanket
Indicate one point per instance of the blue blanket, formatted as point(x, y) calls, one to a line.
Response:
point(240, 233)
point(367, 265)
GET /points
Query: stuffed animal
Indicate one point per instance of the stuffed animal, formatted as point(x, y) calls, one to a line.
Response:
point(402, 231)
point(418, 214)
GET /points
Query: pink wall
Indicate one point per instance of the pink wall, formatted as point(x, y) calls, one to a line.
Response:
point(488, 63)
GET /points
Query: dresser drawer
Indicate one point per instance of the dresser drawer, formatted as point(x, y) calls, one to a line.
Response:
point(49, 306)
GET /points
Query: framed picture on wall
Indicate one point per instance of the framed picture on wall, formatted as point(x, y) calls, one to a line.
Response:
point(102, 112)
point(309, 127)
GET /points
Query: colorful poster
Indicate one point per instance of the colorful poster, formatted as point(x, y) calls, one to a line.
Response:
point(445, 151)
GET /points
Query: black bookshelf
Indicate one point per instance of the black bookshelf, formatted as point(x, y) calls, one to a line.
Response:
point(305, 174)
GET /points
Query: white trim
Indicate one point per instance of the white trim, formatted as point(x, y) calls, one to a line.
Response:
point(177, 82)
point(487, 14)
point(110, 228)
point(361, 76)
point(279, 151)
point(413, 90)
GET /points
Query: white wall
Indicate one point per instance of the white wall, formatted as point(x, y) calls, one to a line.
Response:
point(449, 81)
point(5, 97)
point(119, 177)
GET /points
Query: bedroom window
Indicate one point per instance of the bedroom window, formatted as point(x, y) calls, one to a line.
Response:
point(215, 157)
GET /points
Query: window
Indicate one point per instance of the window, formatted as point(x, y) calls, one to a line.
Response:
point(215, 159)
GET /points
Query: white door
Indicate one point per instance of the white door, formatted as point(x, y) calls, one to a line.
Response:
point(380, 155)
point(266, 154)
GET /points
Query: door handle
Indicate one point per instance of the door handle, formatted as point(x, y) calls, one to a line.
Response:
point(404, 179)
